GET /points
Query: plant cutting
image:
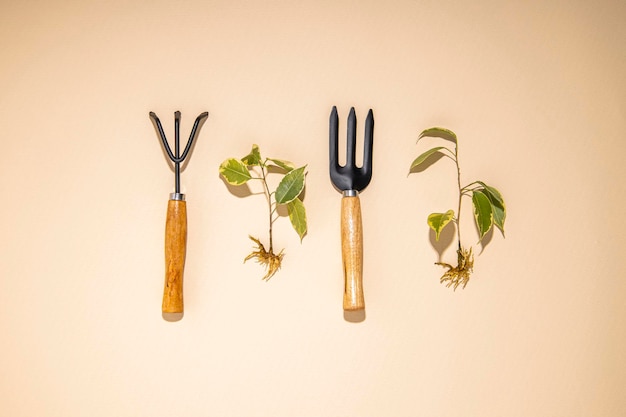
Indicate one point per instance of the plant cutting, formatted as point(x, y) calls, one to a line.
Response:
point(253, 167)
point(488, 206)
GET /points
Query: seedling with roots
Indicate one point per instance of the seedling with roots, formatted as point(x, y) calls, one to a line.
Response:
point(254, 167)
point(489, 208)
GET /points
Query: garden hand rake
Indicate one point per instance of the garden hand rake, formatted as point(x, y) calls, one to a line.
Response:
point(176, 222)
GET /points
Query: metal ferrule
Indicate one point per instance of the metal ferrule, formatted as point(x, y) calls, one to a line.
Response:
point(350, 193)
point(177, 196)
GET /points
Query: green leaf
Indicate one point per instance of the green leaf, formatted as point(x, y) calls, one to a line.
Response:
point(286, 165)
point(482, 212)
point(297, 215)
point(497, 205)
point(437, 221)
point(253, 158)
point(234, 171)
point(423, 157)
point(290, 186)
point(438, 132)
point(494, 193)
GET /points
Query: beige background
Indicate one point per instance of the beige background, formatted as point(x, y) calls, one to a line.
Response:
point(536, 93)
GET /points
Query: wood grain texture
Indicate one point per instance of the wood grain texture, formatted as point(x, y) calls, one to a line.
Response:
point(175, 251)
point(352, 253)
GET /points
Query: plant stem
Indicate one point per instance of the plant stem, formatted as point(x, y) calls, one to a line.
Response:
point(458, 177)
point(269, 203)
point(449, 154)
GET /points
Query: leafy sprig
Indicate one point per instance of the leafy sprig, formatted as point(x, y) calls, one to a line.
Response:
point(254, 167)
point(487, 201)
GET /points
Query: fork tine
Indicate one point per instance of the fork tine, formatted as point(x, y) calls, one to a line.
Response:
point(351, 147)
point(368, 145)
point(334, 139)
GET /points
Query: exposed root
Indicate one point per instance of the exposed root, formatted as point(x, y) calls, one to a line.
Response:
point(460, 274)
point(268, 259)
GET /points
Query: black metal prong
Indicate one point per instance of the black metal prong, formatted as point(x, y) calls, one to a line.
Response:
point(177, 152)
point(334, 139)
point(349, 176)
point(368, 146)
point(166, 146)
point(176, 157)
point(192, 136)
point(351, 144)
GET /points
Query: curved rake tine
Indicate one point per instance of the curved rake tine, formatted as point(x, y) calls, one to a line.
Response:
point(166, 145)
point(175, 156)
point(192, 136)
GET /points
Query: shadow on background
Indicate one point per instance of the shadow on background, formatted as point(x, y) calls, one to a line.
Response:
point(172, 317)
point(486, 240)
point(427, 163)
point(239, 191)
point(446, 237)
point(354, 316)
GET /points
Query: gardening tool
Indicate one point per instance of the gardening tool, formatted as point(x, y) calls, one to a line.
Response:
point(351, 180)
point(176, 222)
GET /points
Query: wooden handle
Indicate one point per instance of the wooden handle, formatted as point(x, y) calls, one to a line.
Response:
point(352, 253)
point(175, 249)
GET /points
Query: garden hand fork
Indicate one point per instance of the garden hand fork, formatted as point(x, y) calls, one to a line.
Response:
point(176, 222)
point(350, 180)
